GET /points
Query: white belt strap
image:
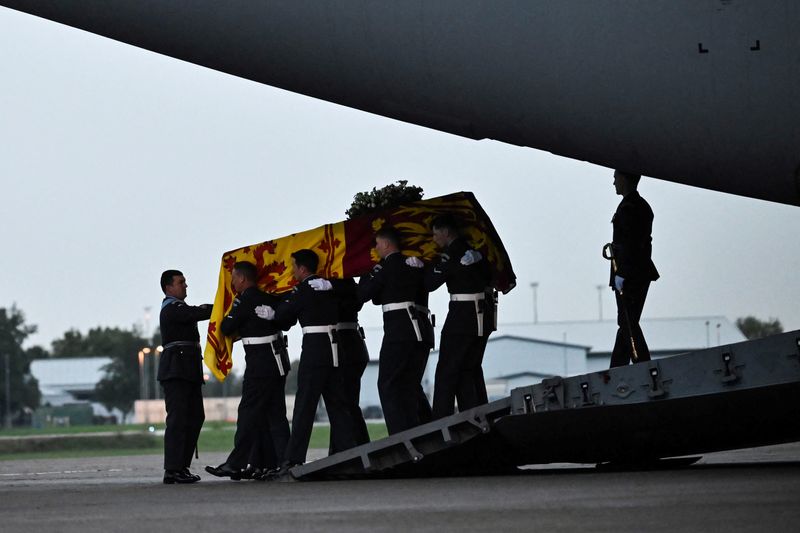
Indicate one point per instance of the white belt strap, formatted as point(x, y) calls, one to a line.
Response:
point(474, 297)
point(408, 306)
point(330, 329)
point(269, 339)
point(399, 306)
point(467, 297)
point(261, 340)
point(318, 329)
point(351, 326)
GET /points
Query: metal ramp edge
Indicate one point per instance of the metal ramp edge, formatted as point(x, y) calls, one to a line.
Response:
point(765, 362)
point(684, 403)
point(415, 446)
point(727, 397)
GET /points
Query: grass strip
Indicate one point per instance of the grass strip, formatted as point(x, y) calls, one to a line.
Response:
point(215, 437)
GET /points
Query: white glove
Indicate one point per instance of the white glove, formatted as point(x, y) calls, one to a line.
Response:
point(618, 281)
point(320, 284)
point(414, 262)
point(471, 257)
point(266, 312)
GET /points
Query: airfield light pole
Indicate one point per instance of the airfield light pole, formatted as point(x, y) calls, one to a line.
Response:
point(600, 302)
point(146, 324)
point(8, 389)
point(141, 378)
point(146, 351)
point(156, 355)
point(146, 384)
point(534, 286)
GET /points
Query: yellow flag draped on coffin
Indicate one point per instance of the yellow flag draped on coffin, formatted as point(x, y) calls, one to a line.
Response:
point(345, 249)
point(273, 261)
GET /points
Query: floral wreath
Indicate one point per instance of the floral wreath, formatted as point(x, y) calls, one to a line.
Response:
point(383, 198)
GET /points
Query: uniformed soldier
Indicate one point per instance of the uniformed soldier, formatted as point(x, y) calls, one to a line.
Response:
point(397, 284)
point(631, 248)
point(469, 319)
point(318, 374)
point(262, 430)
point(353, 360)
point(180, 373)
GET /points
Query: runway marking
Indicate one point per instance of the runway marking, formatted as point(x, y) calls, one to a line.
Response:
point(92, 471)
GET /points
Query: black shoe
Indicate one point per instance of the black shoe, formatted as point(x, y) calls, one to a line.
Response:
point(270, 473)
point(224, 470)
point(172, 477)
point(280, 474)
point(188, 473)
point(252, 473)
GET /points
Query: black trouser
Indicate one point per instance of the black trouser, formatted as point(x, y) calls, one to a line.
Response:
point(262, 430)
point(424, 411)
point(313, 381)
point(633, 296)
point(458, 374)
point(400, 372)
point(480, 383)
point(185, 416)
point(353, 360)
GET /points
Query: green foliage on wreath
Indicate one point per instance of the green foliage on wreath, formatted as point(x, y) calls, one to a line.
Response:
point(383, 198)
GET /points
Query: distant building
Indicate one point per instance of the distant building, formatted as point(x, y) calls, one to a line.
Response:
point(665, 336)
point(525, 353)
point(511, 361)
point(521, 354)
point(69, 381)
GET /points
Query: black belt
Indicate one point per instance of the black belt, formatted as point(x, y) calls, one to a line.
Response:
point(179, 344)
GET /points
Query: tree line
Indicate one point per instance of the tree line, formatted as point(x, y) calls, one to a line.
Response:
point(120, 385)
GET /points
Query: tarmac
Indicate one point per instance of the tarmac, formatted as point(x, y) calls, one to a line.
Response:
point(745, 490)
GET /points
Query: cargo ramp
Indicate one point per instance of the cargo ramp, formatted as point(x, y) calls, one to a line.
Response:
point(735, 396)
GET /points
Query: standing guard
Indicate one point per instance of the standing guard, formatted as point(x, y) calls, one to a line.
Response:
point(397, 284)
point(262, 430)
point(180, 373)
point(313, 304)
point(470, 319)
point(353, 360)
point(632, 268)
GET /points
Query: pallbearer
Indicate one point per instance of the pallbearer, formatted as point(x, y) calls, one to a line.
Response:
point(397, 284)
point(180, 371)
point(353, 360)
point(312, 303)
point(469, 319)
point(262, 430)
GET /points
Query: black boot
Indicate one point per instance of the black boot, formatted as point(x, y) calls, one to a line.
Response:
point(188, 473)
point(172, 477)
point(224, 470)
point(282, 473)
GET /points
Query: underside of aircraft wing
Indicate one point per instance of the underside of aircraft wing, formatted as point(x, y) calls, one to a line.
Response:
point(700, 93)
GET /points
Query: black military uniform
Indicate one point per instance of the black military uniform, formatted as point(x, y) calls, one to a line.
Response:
point(632, 248)
point(353, 360)
point(262, 430)
point(407, 339)
point(318, 373)
point(466, 329)
point(180, 372)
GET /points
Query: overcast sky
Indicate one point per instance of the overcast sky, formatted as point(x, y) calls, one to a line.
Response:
point(117, 163)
